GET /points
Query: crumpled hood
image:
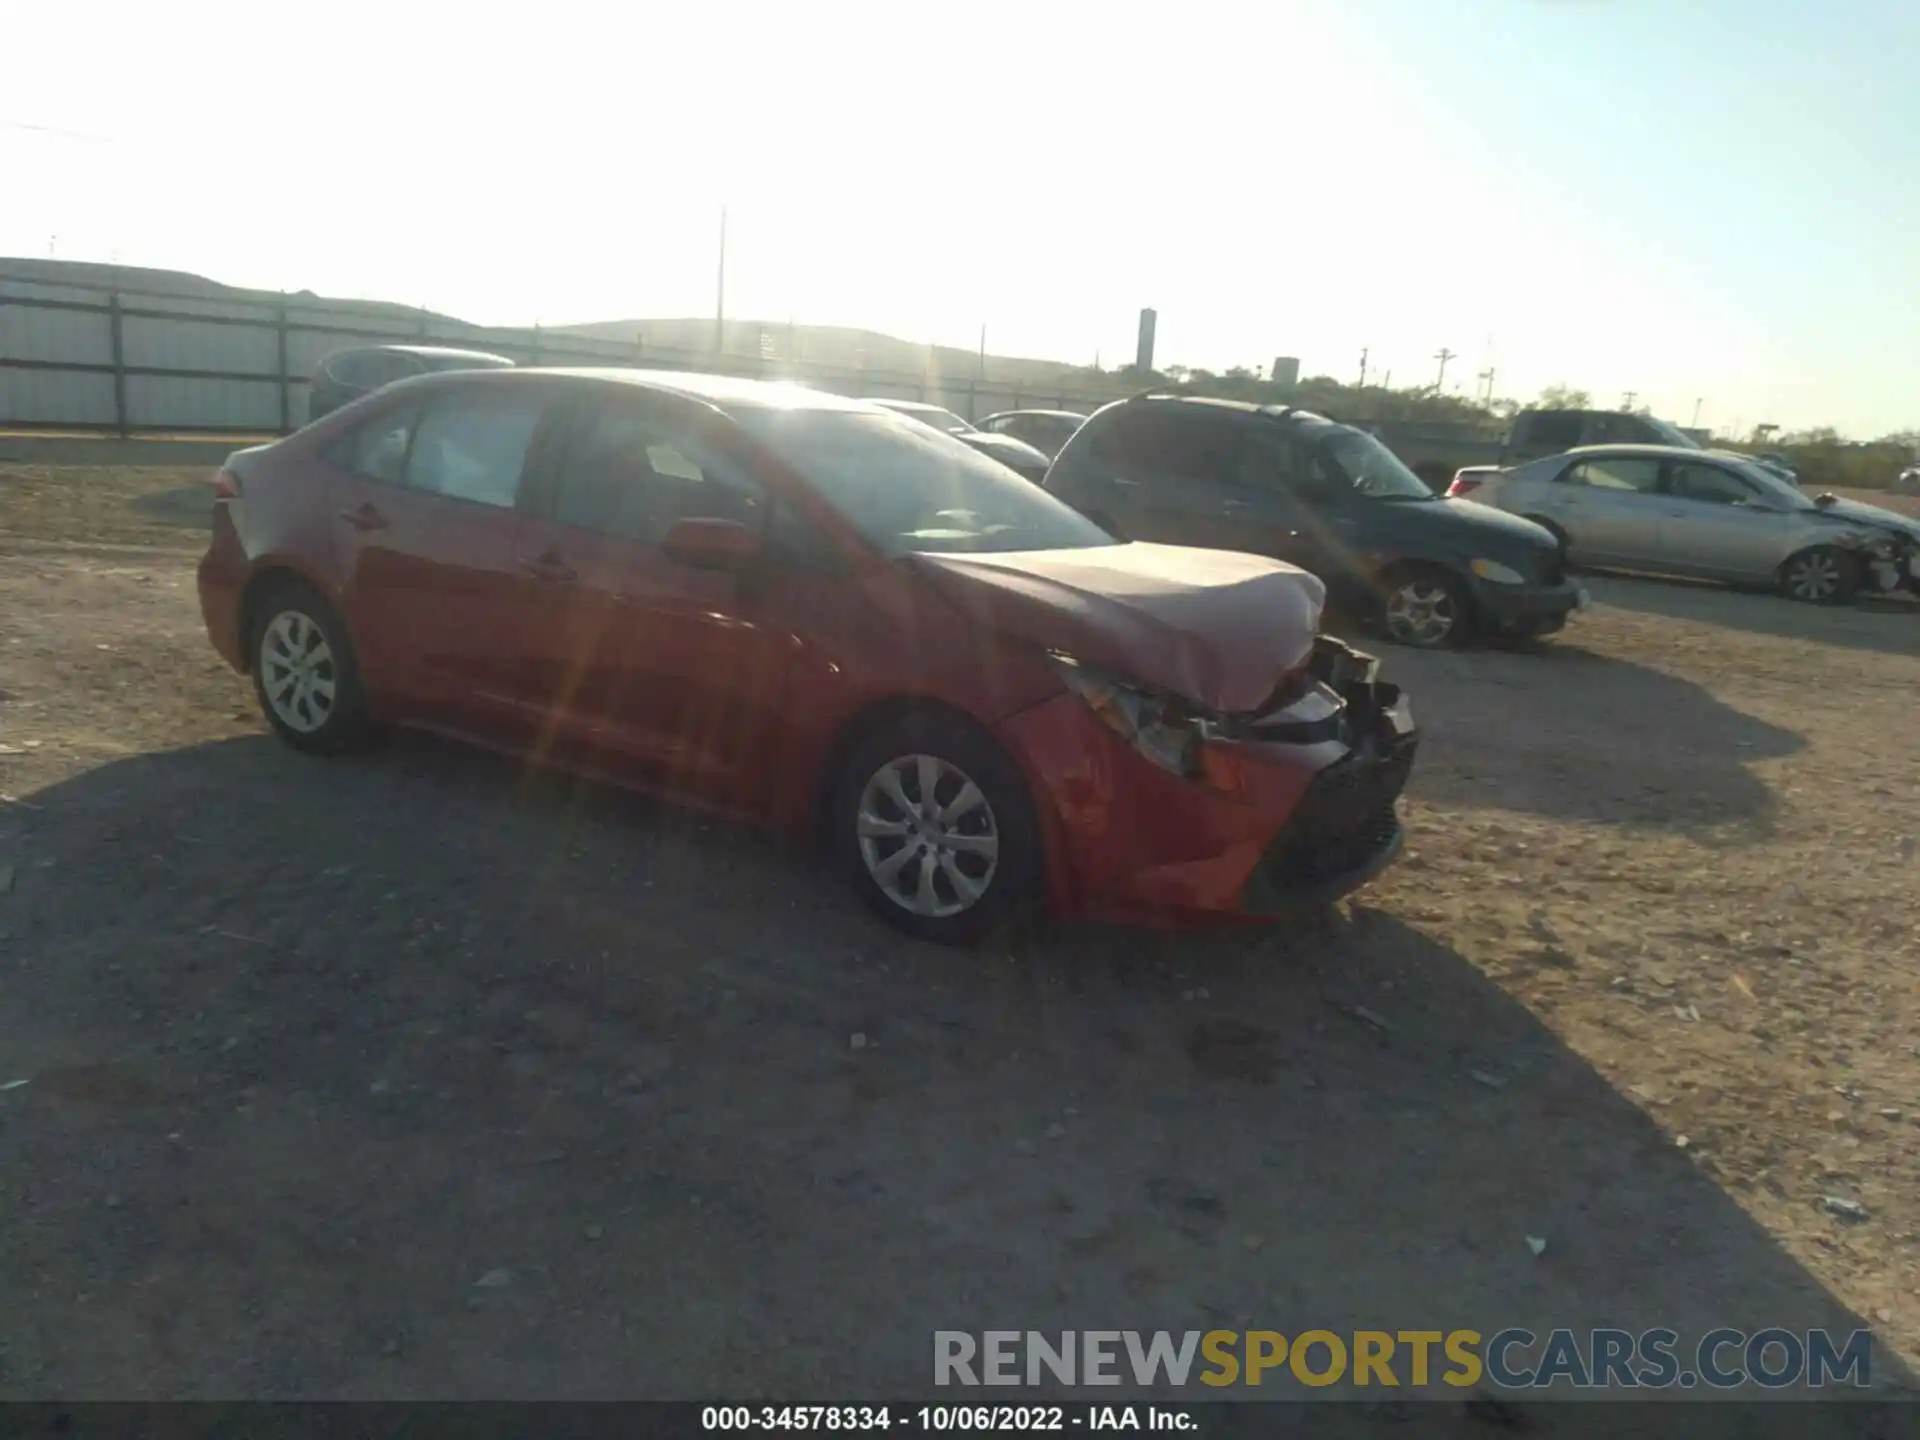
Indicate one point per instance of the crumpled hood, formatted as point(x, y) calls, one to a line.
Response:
point(1853, 510)
point(1215, 627)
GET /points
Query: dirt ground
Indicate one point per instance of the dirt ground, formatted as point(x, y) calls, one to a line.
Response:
point(414, 1075)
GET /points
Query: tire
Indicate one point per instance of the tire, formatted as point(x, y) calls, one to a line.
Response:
point(992, 844)
point(1409, 592)
point(1559, 535)
point(304, 672)
point(1820, 575)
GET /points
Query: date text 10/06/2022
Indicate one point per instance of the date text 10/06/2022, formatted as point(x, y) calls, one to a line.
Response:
point(938, 1418)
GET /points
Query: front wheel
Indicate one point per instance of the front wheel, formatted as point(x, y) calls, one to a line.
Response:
point(1823, 575)
point(1426, 608)
point(304, 671)
point(933, 827)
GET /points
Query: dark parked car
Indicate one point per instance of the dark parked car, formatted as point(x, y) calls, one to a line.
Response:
point(1046, 430)
point(814, 614)
point(1328, 497)
point(346, 375)
point(1538, 433)
point(1015, 454)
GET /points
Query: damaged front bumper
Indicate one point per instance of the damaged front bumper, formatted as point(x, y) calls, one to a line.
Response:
point(1346, 827)
point(1292, 803)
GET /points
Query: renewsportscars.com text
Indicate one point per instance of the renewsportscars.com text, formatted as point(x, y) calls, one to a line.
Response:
point(1515, 1359)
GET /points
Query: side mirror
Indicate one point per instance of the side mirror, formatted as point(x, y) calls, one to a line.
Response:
point(1826, 500)
point(713, 544)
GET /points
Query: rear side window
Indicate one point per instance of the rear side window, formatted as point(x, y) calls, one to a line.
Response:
point(1168, 443)
point(377, 448)
point(1557, 430)
point(474, 446)
point(1615, 472)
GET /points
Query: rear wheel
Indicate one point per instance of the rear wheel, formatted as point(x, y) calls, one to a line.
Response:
point(304, 671)
point(1822, 575)
point(933, 827)
point(1426, 608)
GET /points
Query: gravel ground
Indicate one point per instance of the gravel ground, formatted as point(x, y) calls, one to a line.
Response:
point(414, 1074)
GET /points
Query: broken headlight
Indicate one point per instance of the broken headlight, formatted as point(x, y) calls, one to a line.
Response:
point(1157, 726)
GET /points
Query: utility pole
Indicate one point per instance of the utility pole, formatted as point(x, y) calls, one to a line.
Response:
point(983, 353)
point(1696, 412)
point(1443, 355)
point(1363, 367)
point(1626, 402)
point(1486, 379)
point(720, 291)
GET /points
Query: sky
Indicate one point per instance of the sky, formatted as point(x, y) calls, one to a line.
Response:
point(1714, 206)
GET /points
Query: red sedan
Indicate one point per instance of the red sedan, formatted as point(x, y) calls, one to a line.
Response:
point(809, 612)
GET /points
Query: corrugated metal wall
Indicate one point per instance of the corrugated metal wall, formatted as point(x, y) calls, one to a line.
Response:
point(148, 361)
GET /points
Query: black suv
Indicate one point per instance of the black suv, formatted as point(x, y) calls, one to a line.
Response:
point(1329, 498)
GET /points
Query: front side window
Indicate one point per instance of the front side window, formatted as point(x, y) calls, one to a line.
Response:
point(473, 446)
point(1615, 472)
point(1709, 483)
point(634, 473)
point(1370, 467)
point(908, 489)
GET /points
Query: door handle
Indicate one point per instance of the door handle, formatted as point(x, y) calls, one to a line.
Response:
point(1122, 480)
point(549, 567)
point(365, 517)
point(1235, 504)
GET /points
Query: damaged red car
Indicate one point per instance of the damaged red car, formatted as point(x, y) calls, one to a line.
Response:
point(813, 614)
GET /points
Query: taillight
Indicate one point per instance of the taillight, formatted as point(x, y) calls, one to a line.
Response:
point(226, 486)
point(1462, 486)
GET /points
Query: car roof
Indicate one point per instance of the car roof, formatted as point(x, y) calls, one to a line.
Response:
point(427, 352)
point(892, 404)
point(1648, 452)
point(1052, 414)
point(720, 390)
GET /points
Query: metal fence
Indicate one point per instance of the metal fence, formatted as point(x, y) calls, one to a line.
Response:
point(120, 361)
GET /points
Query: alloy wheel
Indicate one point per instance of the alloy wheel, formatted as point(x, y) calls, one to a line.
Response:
point(1422, 612)
point(297, 671)
point(1814, 577)
point(928, 836)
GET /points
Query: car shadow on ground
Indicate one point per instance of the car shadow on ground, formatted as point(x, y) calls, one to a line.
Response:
point(1887, 624)
point(405, 1075)
point(1601, 740)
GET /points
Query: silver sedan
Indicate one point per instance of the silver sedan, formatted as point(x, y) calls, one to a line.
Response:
point(1707, 516)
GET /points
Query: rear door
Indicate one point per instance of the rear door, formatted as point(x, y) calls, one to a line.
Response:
point(1609, 507)
point(1713, 524)
point(428, 538)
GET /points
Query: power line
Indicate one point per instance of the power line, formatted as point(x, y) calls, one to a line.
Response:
point(56, 131)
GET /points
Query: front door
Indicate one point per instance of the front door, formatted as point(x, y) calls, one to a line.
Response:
point(1714, 524)
point(428, 533)
point(643, 662)
point(1609, 507)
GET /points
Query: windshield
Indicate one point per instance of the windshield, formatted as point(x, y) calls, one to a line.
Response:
point(907, 489)
point(1372, 469)
point(931, 415)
